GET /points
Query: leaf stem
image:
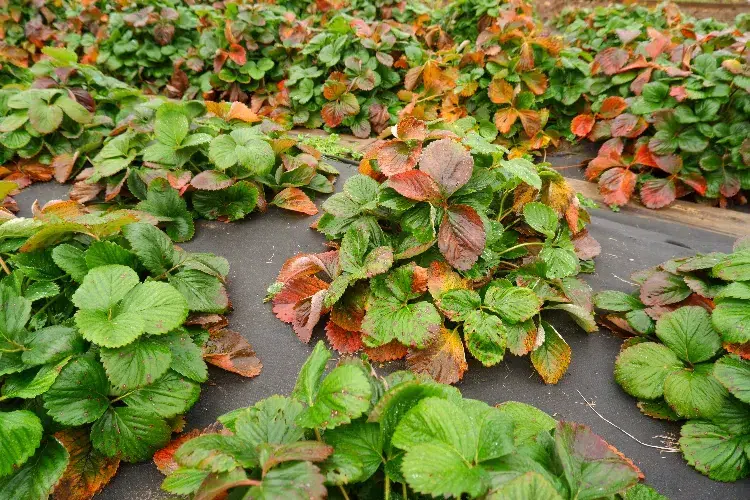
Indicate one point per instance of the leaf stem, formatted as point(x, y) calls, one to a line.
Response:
point(531, 243)
point(4, 266)
point(404, 491)
point(387, 488)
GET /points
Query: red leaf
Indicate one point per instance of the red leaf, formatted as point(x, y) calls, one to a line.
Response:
point(294, 291)
point(636, 86)
point(307, 313)
point(306, 264)
point(731, 184)
point(741, 350)
point(343, 341)
point(582, 124)
point(679, 92)
point(295, 199)
point(230, 351)
point(658, 44)
point(586, 247)
point(624, 125)
point(643, 156)
point(617, 185)
point(211, 180)
point(164, 458)
point(695, 181)
point(612, 106)
point(461, 238)
point(397, 156)
point(670, 164)
point(219, 59)
point(658, 193)
point(444, 359)
point(610, 60)
point(662, 288)
point(237, 54)
point(416, 185)
point(448, 163)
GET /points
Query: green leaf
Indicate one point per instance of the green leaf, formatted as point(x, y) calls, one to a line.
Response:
point(45, 118)
point(593, 469)
point(525, 486)
point(79, 394)
point(541, 218)
point(269, 421)
point(136, 364)
point(559, 262)
point(459, 304)
point(309, 376)
point(171, 125)
point(167, 397)
point(612, 300)
point(106, 330)
point(642, 369)
point(343, 395)
point(256, 157)
point(130, 434)
point(232, 203)
point(20, 435)
point(412, 324)
point(693, 394)
point(299, 480)
point(165, 202)
point(689, 334)
point(184, 480)
point(714, 452)
point(38, 476)
point(514, 304)
point(731, 318)
point(360, 442)
point(104, 253)
point(105, 286)
point(528, 421)
point(734, 267)
point(524, 170)
point(485, 337)
point(439, 470)
point(32, 383)
point(75, 111)
point(222, 153)
point(203, 292)
point(187, 358)
point(161, 307)
point(214, 452)
point(154, 248)
point(581, 316)
point(734, 373)
point(51, 344)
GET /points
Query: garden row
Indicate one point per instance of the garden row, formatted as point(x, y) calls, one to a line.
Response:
point(668, 93)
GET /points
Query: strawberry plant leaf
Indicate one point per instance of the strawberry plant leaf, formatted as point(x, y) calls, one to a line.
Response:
point(20, 436)
point(39, 475)
point(137, 364)
point(334, 406)
point(79, 394)
point(689, 334)
point(88, 471)
point(129, 433)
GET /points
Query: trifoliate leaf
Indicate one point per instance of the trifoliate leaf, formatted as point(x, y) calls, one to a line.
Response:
point(129, 433)
point(715, 452)
point(513, 304)
point(136, 364)
point(36, 479)
point(693, 394)
point(20, 436)
point(412, 324)
point(552, 358)
point(344, 395)
point(689, 334)
point(232, 203)
point(79, 394)
point(642, 369)
point(485, 337)
point(167, 397)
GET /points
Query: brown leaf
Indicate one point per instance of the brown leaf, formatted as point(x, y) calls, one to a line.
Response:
point(586, 247)
point(62, 165)
point(296, 200)
point(88, 470)
point(387, 352)
point(230, 351)
point(448, 163)
point(416, 185)
point(444, 359)
point(461, 238)
point(343, 341)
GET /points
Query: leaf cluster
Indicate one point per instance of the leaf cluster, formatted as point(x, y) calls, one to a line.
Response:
point(353, 430)
point(688, 357)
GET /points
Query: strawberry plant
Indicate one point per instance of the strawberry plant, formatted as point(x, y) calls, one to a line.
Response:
point(674, 97)
point(443, 243)
point(362, 435)
point(687, 358)
point(102, 345)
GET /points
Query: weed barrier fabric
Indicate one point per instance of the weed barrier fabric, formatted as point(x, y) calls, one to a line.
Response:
point(257, 247)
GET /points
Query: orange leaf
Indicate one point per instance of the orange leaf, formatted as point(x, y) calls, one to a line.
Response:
point(63, 164)
point(505, 118)
point(240, 111)
point(387, 352)
point(295, 199)
point(229, 350)
point(444, 359)
point(237, 54)
point(88, 470)
point(582, 124)
point(536, 81)
point(531, 121)
point(441, 278)
point(500, 91)
point(612, 106)
point(552, 358)
point(396, 156)
point(617, 185)
point(343, 341)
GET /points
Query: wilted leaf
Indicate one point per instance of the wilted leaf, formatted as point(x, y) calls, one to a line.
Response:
point(230, 351)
